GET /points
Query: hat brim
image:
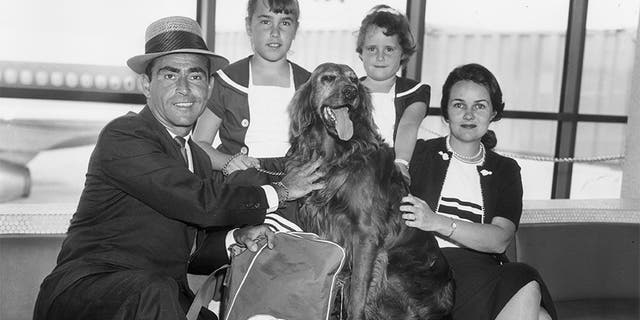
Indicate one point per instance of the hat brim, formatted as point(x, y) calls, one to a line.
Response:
point(139, 63)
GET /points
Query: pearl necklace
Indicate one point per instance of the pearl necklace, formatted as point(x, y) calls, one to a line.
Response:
point(463, 158)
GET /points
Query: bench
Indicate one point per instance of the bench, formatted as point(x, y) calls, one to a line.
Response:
point(587, 251)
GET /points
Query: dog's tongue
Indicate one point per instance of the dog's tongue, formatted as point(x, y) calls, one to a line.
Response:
point(344, 126)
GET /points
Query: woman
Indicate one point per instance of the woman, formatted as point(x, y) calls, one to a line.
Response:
point(471, 197)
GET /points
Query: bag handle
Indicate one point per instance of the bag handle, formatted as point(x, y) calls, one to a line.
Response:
point(205, 293)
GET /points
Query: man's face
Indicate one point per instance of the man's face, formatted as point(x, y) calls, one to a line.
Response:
point(178, 90)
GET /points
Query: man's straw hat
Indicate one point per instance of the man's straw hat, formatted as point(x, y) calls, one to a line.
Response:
point(174, 35)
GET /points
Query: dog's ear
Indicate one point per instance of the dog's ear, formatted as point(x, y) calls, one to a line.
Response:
point(365, 100)
point(365, 113)
point(301, 110)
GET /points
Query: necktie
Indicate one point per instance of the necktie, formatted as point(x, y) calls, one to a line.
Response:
point(183, 150)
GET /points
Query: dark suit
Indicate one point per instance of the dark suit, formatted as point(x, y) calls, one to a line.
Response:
point(129, 242)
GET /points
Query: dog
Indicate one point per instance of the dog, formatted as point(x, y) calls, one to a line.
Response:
point(393, 271)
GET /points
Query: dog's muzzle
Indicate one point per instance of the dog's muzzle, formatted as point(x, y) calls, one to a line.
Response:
point(337, 121)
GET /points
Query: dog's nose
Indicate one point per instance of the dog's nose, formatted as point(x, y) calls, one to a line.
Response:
point(350, 92)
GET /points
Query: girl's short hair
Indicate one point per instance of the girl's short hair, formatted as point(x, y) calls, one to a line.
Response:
point(276, 6)
point(394, 23)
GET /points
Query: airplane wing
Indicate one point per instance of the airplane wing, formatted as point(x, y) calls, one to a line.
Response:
point(24, 138)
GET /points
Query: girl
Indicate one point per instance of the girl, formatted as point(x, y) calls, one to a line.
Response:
point(471, 197)
point(385, 44)
point(248, 107)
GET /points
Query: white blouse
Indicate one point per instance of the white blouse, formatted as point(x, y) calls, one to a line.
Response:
point(268, 131)
point(384, 113)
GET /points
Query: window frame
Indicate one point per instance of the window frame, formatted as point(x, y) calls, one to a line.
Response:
point(568, 116)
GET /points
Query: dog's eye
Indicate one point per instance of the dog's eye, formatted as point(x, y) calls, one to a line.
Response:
point(354, 80)
point(328, 78)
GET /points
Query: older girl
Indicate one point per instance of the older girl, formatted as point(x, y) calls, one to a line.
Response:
point(248, 107)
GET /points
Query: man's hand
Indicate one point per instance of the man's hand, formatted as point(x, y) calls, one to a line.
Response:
point(252, 237)
point(302, 180)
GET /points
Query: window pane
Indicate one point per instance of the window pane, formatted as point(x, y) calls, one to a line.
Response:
point(65, 44)
point(104, 32)
point(608, 56)
point(327, 32)
point(530, 142)
point(54, 140)
point(508, 37)
point(598, 179)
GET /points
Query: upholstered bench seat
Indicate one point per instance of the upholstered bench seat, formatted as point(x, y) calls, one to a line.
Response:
point(597, 309)
point(587, 252)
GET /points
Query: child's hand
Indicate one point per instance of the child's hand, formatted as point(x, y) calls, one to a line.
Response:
point(404, 169)
point(241, 162)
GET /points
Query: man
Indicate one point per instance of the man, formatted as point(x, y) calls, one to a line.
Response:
point(149, 190)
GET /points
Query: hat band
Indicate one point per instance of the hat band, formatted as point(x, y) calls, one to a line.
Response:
point(174, 40)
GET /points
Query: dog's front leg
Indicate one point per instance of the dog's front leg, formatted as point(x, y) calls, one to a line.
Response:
point(364, 246)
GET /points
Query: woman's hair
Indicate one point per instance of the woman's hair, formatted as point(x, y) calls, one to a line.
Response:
point(276, 6)
point(394, 23)
point(482, 76)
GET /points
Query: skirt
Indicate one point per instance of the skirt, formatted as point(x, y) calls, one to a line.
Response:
point(484, 284)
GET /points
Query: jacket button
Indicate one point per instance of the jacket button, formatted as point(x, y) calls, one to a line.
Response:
point(244, 150)
point(245, 123)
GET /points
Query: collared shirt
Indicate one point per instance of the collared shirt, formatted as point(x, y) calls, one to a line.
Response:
point(187, 147)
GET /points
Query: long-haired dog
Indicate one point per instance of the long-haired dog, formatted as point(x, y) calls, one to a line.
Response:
point(393, 271)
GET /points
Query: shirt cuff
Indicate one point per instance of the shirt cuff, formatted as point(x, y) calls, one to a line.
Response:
point(272, 198)
point(402, 161)
point(229, 240)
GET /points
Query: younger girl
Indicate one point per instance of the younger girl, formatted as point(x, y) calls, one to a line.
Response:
point(385, 44)
point(248, 106)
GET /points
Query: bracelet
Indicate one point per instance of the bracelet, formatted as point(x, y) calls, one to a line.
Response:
point(453, 227)
point(282, 191)
point(402, 162)
point(225, 167)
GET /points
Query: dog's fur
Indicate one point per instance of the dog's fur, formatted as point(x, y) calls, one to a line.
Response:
point(393, 272)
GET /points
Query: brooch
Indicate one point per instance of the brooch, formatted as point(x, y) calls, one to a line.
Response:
point(485, 172)
point(444, 155)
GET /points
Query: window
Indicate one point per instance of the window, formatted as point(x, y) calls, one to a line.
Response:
point(598, 179)
point(524, 52)
point(608, 56)
point(63, 50)
point(327, 31)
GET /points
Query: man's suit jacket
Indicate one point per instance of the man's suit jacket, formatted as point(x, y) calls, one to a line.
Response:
point(141, 206)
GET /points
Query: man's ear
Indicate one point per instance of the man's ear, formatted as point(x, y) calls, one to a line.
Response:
point(210, 87)
point(146, 85)
point(247, 25)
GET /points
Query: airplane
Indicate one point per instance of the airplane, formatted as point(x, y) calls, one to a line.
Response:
point(23, 135)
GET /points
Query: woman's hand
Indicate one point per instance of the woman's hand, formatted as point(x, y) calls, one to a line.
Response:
point(491, 237)
point(417, 214)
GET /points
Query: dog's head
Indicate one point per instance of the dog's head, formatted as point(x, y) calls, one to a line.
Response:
point(334, 99)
